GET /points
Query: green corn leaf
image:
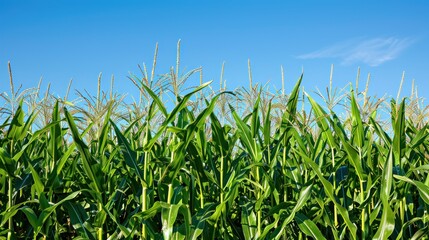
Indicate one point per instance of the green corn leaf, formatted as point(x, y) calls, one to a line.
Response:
point(219, 209)
point(7, 163)
point(248, 219)
point(31, 216)
point(55, 140)
point(43, 217)
point(175, 164)
point(171, 117)
point(304, 195)
point(380, 132)
point(219, 135)
point(399, 139)
point(387, 178)
point(420, 234)
point(183, 102)
point(26, 128)
point(65, 157)
point(255, 122)
point(69, 197)
point(78, 217)
point(103, 138)
point(246, 137)
point(29, 143)
point(352, 152)
point(406, 226)
point(201, 118)
point(11, 211)
point(267, 126)
point(200, 218)
point(322, 122)
point(152, 211)
point(357, 126)
point(17, 124)
point(168, 218)
point(124, 230)
point(421, 187)
point(291, 106)
point(129, 154)
point(37, 182)
point(308, 227)
point(419, 138)
point(85, 154)
point(156, 99)
point(185, 211)
point(329, 190)
point(387, 223)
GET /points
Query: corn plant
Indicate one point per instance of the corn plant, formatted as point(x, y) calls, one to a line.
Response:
point(242, 164)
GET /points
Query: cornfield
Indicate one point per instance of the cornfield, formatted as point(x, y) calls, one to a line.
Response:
point(212, 164)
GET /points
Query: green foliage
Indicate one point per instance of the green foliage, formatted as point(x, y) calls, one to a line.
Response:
point(197, 171)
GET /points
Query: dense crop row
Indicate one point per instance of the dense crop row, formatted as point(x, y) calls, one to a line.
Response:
point(203, 169)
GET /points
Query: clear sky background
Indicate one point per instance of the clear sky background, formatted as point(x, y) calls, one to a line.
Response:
point(60, 40)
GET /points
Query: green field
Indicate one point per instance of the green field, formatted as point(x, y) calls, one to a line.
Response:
point(202, 163)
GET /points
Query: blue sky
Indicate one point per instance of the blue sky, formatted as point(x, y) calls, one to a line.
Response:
point(60, 40)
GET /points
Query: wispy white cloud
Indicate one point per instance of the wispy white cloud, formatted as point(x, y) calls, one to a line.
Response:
point(372, 52)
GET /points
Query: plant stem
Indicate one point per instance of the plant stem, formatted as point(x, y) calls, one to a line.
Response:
point(10, 192)
point(402, 210)
point(258, 196)
point(363, 210)
point(170, 185)
point(221, 179)
point(144, 209)
point(335, 186)
point(100, 233)
point(145, 168)
point(170, 193)
point(362, 199)
point(9, 205)
point(100, 229)
point(284, 174)
point(201, 193)
point(144, 193)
